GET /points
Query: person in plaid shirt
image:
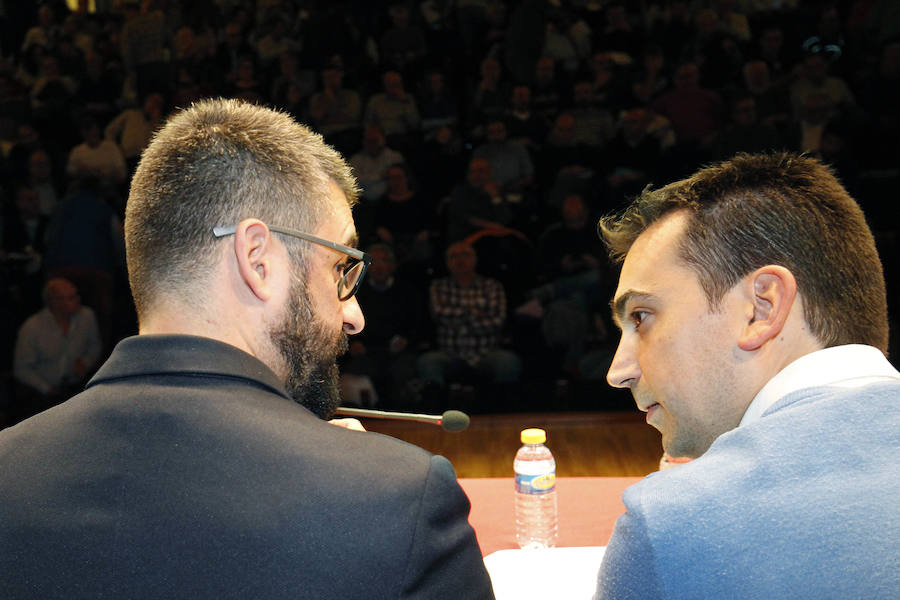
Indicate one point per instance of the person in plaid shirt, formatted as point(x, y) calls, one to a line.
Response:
point(468, 312)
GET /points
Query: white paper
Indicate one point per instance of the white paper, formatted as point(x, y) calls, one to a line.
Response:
point(558, 573)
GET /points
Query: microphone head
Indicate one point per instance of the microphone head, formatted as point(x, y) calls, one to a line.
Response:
point(454, 420)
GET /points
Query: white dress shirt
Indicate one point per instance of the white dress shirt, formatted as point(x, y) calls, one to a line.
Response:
point(852, 365)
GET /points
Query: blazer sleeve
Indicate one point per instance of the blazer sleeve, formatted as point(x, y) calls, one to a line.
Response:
point(445, 560)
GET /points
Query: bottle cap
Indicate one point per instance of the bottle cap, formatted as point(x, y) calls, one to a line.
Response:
point(533, 436)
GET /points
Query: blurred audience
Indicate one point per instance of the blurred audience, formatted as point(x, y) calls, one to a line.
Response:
point(467, 121)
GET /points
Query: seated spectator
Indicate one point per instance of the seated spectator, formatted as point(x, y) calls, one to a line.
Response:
point(772, 104)
point(469, 312)
point(771, 50)
point(42, 178)
point(396, 113)
point(248, 85)
point(558, 46)
point(745, 132)
point(804, 133)
point(56, 350)
point(406, 219)
point(576, 283)
point(476, 204)
point(491, 95)
point(633, 155)
point(100, 86)
point(45, 32)
point(402, 44)
point(815, 78)
point(292, 86)
point(385, 352)
point(132, 128)
point(438, 105)
point(522, 124)
point(274, 43)
point(146, 45)
point(609, 86)
point(445, 158)
point(194, 48)
point(565, 164)
point(733, 22)
point(336, 112)
point(51, 98)
point(548, 91)
point(620, 34)
point(652, 78)
point(695, 112)
point(23, 235)
point(18, 150)
point(25, 227)
point(511, 164)
point(371, 163)
point(594, 125)
point(96, 157)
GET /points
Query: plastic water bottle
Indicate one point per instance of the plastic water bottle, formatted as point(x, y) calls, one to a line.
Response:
point(536, 511)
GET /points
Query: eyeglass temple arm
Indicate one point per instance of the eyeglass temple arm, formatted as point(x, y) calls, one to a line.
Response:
point(223, 230)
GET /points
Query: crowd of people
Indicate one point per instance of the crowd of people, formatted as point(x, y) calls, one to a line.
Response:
point(487, 138)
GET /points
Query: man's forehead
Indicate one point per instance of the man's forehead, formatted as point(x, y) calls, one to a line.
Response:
point(653, 255)
point(659, 240)
point(338, 221)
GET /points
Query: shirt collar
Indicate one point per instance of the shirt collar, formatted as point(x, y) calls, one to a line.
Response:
point(852, 365)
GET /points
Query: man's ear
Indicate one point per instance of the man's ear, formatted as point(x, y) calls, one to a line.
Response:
point(253, 248)
point(772, 290)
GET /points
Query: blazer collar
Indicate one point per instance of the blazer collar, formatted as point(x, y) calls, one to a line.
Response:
point(187, 355)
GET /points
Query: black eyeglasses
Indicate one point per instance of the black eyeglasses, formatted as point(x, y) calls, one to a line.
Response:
point(352, 273)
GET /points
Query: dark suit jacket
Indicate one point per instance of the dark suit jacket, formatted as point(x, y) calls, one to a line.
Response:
point(184, 471)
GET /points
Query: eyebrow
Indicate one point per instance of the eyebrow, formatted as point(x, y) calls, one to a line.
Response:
point(618, 304)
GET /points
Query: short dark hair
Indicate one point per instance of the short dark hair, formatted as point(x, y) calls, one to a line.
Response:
point(778, 208)
point(216, 163)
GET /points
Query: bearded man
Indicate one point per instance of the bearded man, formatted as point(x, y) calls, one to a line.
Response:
point(198, 462)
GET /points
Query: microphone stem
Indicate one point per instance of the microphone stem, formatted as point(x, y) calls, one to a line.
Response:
point(381, 414)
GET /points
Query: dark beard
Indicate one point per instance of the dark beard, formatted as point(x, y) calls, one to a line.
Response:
point(309, 351)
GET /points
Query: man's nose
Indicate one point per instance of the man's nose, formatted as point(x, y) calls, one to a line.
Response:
point(624, 371)
point(354, 321)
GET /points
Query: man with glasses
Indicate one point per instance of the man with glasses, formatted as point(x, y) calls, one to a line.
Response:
point(198, 462)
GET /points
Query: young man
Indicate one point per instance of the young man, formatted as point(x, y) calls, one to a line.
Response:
point(754, 331)
point(197, 463)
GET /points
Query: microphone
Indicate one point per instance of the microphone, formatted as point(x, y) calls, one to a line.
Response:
point(451, 420)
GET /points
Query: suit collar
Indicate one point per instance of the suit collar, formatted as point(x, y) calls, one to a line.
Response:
point(184, 355)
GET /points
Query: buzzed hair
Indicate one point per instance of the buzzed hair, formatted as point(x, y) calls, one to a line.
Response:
point(782, 209)
point(216, 163)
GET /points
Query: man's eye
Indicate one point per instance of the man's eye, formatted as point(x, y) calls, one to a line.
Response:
point(637, 317)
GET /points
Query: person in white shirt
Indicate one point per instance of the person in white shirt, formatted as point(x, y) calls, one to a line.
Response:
point(56, 350)
point(96, 157)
